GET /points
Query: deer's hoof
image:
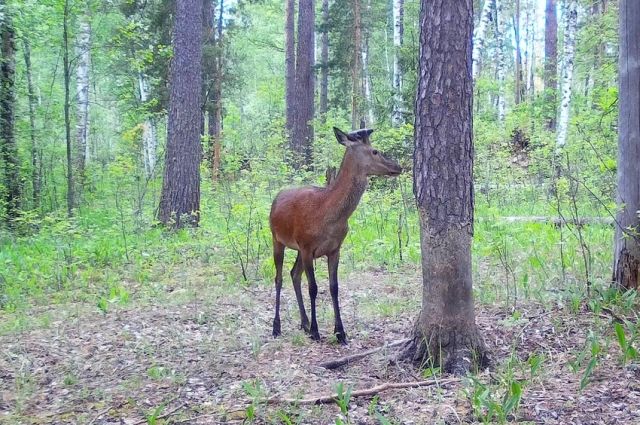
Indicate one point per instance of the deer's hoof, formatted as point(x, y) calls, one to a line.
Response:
point(315, 335)
point(342, 338)
point(276, 329)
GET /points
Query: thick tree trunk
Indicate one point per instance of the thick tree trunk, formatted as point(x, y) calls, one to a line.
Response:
point(324, 58)
point(67, 107)
point(571, 25)
point(550, 63)
point(289, 68)
point(35, 169)
point(305, 79)
point(398, 38)
point(626, 268)
point(180, 198)
point(356, 68)
point(445, 333)
point(8, 146)
point(479, 35)
point(83, 54)
point(502, 58)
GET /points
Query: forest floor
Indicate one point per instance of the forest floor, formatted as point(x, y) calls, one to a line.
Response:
point(202, 353)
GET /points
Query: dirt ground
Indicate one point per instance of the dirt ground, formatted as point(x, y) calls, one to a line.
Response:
point(205, 355)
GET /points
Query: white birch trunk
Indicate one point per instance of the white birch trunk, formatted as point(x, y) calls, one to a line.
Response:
point(570, 27)
point(83, 51)
point(531, 49)
point(398, 35)
point(502, 58)
point(149, 130)
point(479, 35)
point(367, 81)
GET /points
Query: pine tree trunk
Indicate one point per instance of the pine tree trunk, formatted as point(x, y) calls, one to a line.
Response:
point(398, 38)
point(550, 63)
point(324, 58)
point(290, 69)
point(35, 169)
point(502, 59)
point(305, 84)
point(83, 54)
point(8, 145)
point(356, 69)
point(445, 333)
point(213, 73)
point(571, 25)
point(626, 268)
point(67, 107)
point(180, 198)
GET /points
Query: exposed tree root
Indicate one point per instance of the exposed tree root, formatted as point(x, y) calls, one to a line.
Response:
point(324, 399)
point(334, 364)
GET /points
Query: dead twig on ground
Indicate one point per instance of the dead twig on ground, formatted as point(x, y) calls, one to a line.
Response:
point(324, 399)
point(101, 413)
point(334, 364)
point(164, 416)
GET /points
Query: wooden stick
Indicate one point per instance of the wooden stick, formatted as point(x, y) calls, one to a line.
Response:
point(164, 416)
point(334, 364)
point(324, 399)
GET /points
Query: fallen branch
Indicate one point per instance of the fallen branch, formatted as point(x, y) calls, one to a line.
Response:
point(362, 393)
point(556, 221)
point(334, 364)
point(164, 416)
point(101, 413)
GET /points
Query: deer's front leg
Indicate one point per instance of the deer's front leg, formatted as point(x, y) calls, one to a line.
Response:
point(307, 262)
point(333, 259)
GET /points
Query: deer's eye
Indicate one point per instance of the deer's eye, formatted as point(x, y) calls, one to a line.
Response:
point(375, 152)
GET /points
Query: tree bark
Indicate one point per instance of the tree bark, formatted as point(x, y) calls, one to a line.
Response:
point(289, 69)
point(83, 53)
point(8, 145)
point(213, 70)
point(626, 269)
point(571, 25)
point(479, 35)
point(550, 63)
point(366, 76)
point(502, 59)
point(67, 107)
point(398, 39)
point(445, 333)
point(180, 198)
point(149, 129)
point(356, 68)
point(324, 58)
point(518, 77)
point(35, 169)
point(305, 83)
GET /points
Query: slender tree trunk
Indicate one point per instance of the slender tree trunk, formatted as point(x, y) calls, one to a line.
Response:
point(290, 69)
point(83, 53)
point(366, 76)
point(502, 59)
point(67, 107)
point(626, 267)
point(149, 129)
point(305, 83)
point(8, 146)
point(35, 169)
point(180, 198)
point(479, 35)
point(550, 63)
point(356, 69)
point(518, 78)
point(531, 52)
point(398, 39)
point(324, 58)
point(571, 25)
point(445, 333)
point(213, 69)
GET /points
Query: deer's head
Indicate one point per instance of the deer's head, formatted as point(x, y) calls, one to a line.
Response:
point(367, 159)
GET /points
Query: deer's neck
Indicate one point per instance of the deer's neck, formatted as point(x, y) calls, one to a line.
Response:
point(346, 190)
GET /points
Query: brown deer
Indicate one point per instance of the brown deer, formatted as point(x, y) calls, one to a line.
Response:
point(313, 221)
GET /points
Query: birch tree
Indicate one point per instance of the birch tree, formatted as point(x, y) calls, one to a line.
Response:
point(35, 168)
point(289, 67)
point(502, 58)
point(324, 61)
point(366, 76)
point(83, 66)
point(67, 109)
point(550, 63)
point(356, 67)
point(398, 39)
point(570, 27)
point(149, 128)
point(480, 34)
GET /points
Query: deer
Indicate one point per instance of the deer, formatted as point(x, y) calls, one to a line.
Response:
point(314, 221)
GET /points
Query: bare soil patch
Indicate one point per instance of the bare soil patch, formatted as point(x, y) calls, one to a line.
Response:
point(208, 357)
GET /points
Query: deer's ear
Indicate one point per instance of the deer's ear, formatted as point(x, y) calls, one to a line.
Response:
point(344, 138)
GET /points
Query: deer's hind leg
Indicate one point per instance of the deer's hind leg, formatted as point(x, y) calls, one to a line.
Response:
point(278, 259)
point(296, 277)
